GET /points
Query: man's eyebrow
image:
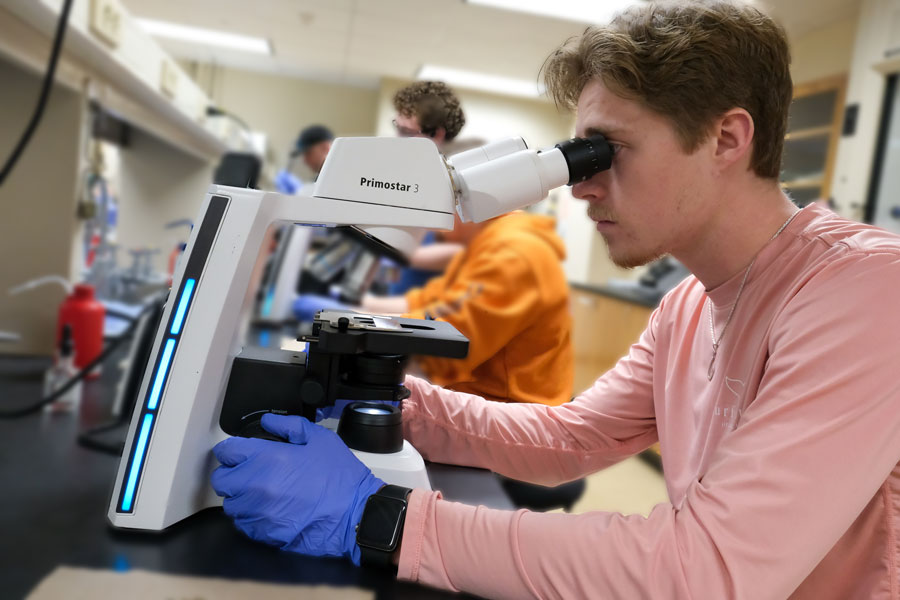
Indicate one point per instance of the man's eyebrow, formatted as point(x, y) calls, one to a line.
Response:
point(611, 131)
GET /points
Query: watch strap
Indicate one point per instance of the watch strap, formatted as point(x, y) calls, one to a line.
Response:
point(394, 491)
point(376, 557)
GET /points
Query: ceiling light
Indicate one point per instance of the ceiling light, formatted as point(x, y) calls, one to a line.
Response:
point(481, 81)
point(584, 11)
point(197, 35)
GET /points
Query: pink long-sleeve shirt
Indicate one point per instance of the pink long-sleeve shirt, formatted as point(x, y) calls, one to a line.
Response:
point(782, 471)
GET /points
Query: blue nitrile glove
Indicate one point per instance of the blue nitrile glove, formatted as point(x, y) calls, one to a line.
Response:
point(287, 183)
point(307, 305)
point(305, 496)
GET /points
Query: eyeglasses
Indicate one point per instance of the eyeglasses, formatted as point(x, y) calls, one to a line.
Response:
point(406, 131)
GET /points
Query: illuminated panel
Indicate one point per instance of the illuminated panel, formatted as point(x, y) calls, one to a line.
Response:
point(267, 304)
point(186, 294)
point(167, 352)
point(137, 462)
point(161, 372)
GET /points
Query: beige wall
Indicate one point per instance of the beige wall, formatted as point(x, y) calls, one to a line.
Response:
point(156, 184)
point(824, 52)
point(281, 106)
point(37, 207)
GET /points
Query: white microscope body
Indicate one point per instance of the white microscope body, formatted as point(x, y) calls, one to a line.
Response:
point(392, 189)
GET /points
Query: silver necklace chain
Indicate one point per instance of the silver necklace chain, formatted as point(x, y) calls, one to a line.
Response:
point(712, 329)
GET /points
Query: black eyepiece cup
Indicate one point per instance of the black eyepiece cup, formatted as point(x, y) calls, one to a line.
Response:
point(586, 157)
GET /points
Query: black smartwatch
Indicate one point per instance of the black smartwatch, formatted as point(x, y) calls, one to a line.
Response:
point(381, 526)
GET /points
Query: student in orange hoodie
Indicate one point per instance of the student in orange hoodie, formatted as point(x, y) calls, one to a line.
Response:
point(506, 291)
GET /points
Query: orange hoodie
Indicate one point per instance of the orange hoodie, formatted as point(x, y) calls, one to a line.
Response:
point(507, 293)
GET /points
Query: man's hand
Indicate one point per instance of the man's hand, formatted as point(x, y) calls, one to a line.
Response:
point(434, 257)
point(305, 495)
point(419, 387)
point(385, 305)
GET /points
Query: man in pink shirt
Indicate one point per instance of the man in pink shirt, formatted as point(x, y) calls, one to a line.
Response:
point(768, 377)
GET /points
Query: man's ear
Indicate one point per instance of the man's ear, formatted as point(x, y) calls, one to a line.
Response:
point(734, 137)
point(440, 134)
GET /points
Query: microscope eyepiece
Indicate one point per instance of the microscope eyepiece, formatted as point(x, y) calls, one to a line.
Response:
point(586, 157)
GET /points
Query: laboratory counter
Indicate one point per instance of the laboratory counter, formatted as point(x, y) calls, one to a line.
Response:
point(56, 492)
point(647, 297)
point(608, 319)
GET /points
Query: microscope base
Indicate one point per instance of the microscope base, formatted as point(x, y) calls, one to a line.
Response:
point(405, 468)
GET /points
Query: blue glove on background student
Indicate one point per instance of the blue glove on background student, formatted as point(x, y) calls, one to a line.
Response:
point(306, 306)
point(306, 495)
point(287, 183)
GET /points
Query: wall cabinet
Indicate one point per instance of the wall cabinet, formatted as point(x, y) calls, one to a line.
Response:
point(810, 146)
point(604, 329)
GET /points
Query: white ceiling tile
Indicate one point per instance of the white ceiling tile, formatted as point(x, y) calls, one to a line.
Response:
point(364, 39)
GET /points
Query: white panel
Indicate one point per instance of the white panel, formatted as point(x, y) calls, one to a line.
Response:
point(887, 202)
point(853, 165)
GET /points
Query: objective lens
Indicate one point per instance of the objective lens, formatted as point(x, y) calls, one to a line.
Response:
point(366, 410)
point(375, 369)
point(369, 427)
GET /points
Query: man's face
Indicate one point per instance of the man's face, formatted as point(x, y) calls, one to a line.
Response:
point(460, 234)
point(315, 156)
point(408, 126)
point(651, 202)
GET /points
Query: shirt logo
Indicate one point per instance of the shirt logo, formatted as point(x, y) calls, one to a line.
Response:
point(728, 414)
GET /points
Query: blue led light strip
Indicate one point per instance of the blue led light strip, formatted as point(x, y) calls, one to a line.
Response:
point(182, 306)
point(196, 262)
point(160, 378)
point(135, 467)
point(267, 304)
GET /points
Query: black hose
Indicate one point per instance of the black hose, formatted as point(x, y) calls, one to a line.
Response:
point(33, 408)
point(86, 438)
point(45, 92)
point(215, 111)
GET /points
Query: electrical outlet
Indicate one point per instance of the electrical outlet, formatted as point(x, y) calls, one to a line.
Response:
point(106, 21)
point(168, 80)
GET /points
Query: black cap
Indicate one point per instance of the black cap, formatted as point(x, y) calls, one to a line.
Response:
point(65, 344)
point(311, 136)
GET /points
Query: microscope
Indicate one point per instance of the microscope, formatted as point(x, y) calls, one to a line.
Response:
point(200, 384)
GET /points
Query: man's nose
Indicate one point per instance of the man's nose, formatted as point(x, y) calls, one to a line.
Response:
point(592, 189)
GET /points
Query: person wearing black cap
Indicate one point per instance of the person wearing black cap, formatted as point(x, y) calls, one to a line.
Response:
point(313, 145)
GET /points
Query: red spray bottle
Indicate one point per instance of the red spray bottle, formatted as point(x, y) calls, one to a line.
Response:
point(84, 315)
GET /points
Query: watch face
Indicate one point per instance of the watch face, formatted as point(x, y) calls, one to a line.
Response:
point(380, 525)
